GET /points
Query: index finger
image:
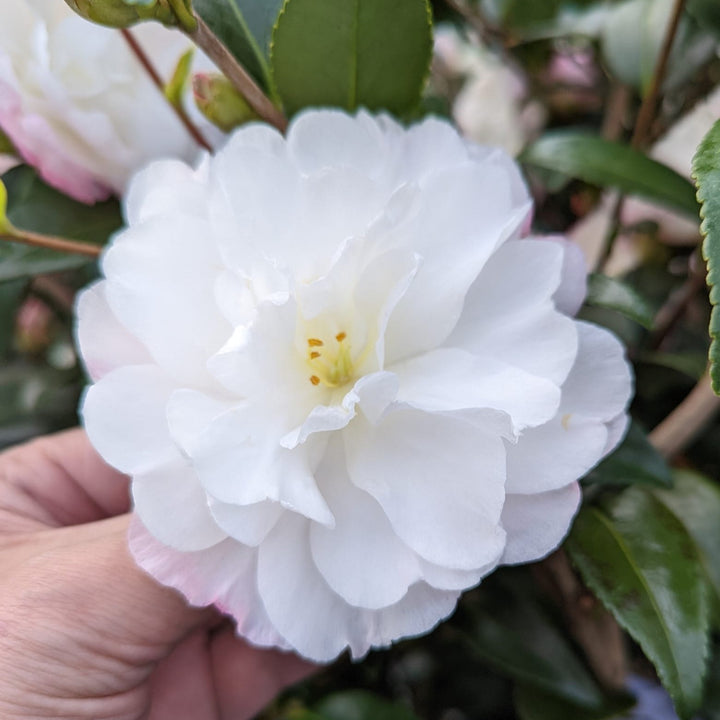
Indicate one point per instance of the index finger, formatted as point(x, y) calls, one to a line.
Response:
point(58, 480)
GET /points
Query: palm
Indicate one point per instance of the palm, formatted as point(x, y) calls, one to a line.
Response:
point(85, 634)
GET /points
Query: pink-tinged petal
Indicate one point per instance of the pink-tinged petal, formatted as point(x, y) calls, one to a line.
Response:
point(223, 575)
point(600, 383)
point(449, 379)
point(383, 567)
point(124, 416)
point(174, 508)
point(537, 524)
point(555, 454)
point(105, 344)
point(570, 296)
point(443, 498)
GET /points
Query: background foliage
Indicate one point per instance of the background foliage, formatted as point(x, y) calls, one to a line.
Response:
point(635, 592)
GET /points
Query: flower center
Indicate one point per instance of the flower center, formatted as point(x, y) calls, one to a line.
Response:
point(331, 363)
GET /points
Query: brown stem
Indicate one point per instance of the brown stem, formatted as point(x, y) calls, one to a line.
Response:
point(646, 114)
point(592, 626)
point(687, 420)
point(145, 61)
point(52, 243)
point(205, 39)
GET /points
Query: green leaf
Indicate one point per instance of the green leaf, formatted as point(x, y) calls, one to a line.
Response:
point(534, 704)
point(35, 206)
point(607, 292)
point(5, 224)
point(706, 13)
point(610, 164)
point(245, 27)
point(6, 144)
point(514, 634)
point(642, 564)
point(361, 705)
point(352, 53)
point(706, 171)
point(175, 88)
point(695, 502)
point(635, 462)
point(692, 364)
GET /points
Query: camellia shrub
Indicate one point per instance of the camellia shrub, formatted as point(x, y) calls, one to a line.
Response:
point(396, 315)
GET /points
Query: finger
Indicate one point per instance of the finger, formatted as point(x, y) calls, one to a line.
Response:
point(248, 678)
point(58, 480)
point(182, 684)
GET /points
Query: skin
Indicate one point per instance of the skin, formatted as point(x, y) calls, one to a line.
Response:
point(86, 634)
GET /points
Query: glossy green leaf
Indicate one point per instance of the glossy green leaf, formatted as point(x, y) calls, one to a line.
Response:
point(4, 223)
point(352, 53)
point(534, 704)
point(611, 293)
point(245, 27)
point(514, 634)
point(640, 561)
point(361, 705)
point(610, 164)
point(695, 502)
point(635, 462)
point(706, 171)
point(35, 206)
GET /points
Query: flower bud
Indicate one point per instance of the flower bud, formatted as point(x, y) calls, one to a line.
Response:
point(124, 13)
point(220, 102)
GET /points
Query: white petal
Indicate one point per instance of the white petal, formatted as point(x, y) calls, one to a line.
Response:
point(124, 416)
point(174, 508)
point(444, 578)
point(452, 379)
point(442, 497)
point(104, 343)
point(453, 246)
point(537, 524)
point(189, 413)
point(239, 460)
point(600, 382)
point(570, 296)
point(317, 622)
point(361, 558)
point(331, 138)
point(223, 575)
point(161, 278)
point(509, 312)
point(248, 524)
point(159, 189)
point(617, 429)
point(554, 454)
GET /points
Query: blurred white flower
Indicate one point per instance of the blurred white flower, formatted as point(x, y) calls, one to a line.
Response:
point(491, 107)
point(343, 385)
point(76, 102)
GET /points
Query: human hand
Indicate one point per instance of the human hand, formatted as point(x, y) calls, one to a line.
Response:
point(86, 634)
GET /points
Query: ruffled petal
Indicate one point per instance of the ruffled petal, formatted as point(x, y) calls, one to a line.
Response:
point(361, 558)
point(443, 498)
point(248, 524)
point(174, 508)
point(124, 416)
point(104, 343)
point(537, 524)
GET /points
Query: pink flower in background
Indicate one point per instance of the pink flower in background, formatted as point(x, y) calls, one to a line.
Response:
point(78, 105)
point(345, 388)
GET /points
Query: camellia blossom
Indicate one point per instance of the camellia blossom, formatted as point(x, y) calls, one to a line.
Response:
point(344, 387)
point(77, 103)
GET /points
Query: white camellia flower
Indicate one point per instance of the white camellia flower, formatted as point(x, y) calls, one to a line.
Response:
point(343, 385)
point(77, 103)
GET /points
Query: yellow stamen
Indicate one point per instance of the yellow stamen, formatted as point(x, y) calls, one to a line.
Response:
point(314, 354)
point(314, 342)
point(314, 379)
point(340, 336)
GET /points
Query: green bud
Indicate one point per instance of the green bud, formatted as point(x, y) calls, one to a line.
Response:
point(220, 102)
point(124, 13)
